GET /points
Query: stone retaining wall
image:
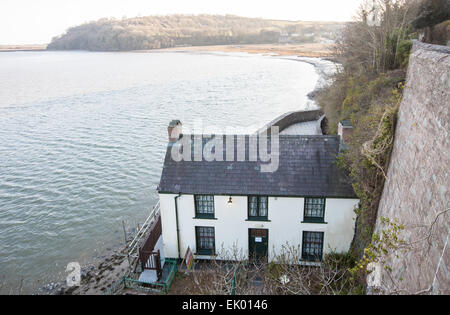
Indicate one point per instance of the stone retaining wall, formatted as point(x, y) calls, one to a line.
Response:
point(417, 188)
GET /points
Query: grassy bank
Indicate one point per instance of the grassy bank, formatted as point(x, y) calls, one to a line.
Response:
point(371, 103)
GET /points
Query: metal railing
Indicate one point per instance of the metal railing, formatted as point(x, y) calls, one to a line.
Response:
point(134, 245)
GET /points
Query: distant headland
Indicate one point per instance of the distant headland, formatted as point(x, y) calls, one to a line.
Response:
point(156, 32)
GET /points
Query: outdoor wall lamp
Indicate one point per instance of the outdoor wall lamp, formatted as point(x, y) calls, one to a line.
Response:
point(230, 201)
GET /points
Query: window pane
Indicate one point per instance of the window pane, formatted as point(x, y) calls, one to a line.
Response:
point(205, 238)
point(314, 207)
point(257, 206)
point(263, 206)
point(253, 206)
point(204, 204)
point(312, 245)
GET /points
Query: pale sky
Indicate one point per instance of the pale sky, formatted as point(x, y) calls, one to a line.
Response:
point(37, 21)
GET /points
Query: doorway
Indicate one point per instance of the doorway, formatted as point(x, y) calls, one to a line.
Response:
point(258, 240)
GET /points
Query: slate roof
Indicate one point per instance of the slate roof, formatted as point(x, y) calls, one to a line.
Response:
point(306, 168)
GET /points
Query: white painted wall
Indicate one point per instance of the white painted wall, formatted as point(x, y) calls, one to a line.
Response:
point(231, 226)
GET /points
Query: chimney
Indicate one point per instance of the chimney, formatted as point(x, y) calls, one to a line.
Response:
point(174, 130)
point(345, 131)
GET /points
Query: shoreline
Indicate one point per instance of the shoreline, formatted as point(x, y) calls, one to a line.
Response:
point(96, 279)
point(97, 276)
point(313, 50)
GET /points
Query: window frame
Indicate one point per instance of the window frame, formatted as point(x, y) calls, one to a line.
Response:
point(200, 215)
point(258, 217)
point(311, 219)
point(307, 256)
point(199, 249)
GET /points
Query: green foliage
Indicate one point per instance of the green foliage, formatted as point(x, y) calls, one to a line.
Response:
point(432, 12)
point(398, 48)
point(335, 260)
point(441, 33)
point(403, 53)
point(367, 161)
point(361, 93)
point(272, 268)
point(381, 246)
point(371, 104)
point(344, 283)
point(353, 96)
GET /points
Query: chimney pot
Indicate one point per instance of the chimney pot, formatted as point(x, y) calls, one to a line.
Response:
point(174, 130)
point(345, 131)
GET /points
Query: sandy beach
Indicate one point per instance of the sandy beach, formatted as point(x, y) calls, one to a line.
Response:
point(303, 50)
point(10, 48)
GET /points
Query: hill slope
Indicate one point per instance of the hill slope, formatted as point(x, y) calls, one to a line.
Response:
point(154, 32)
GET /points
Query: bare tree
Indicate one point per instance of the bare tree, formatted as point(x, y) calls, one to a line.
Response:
point(374, 40)
point(287, 274)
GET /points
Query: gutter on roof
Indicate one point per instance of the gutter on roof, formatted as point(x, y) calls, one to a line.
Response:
point(259, 194)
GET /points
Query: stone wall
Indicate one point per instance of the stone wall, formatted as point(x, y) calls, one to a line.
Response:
point(416, 192)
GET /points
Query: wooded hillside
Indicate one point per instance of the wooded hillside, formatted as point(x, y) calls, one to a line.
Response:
point(154, 32)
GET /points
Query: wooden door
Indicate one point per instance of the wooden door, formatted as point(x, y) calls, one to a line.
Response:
point(258, 240)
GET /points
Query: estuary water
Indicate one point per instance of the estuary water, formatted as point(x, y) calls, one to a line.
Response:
point(83, 137)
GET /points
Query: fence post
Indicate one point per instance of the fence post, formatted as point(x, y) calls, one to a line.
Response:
point(158, 265)
point(233, 283)
point(124, 233)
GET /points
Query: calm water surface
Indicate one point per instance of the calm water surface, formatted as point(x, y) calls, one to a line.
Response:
point(83, 136)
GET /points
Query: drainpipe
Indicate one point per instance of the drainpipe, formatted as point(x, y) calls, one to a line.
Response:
point(178, 229)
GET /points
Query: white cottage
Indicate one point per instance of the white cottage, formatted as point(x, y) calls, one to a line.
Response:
point(207, 206)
